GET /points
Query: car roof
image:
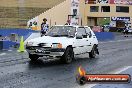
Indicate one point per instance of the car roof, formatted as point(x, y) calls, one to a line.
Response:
point(73, 26)
point(67, 25)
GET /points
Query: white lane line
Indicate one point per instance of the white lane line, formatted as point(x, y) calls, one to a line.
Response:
point(115, 72)
point(10, 50)
point(115, 41)
point(91, 85)
point(2, 54)
point(121, 70)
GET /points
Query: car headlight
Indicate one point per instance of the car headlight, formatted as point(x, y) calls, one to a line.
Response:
point(29, 44)
point(56, 45)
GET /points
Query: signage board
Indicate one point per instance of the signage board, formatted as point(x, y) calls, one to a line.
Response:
point(103, 1)
point(120, 18)
point(74, 18)
point(125, 2)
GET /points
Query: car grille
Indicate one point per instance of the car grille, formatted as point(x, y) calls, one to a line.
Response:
point(34, 48)
point(41, 44)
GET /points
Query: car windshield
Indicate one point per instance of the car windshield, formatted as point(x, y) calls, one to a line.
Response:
point(62, 31)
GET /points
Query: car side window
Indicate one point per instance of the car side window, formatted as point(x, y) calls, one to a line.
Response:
point(88, 32)
point(82, 31)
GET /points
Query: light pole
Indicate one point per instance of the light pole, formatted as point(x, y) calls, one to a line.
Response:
point(21, 10)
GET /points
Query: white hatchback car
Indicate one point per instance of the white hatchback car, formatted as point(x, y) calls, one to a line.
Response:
point(63, 42)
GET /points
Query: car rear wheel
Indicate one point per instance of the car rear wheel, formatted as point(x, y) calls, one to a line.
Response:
point(92, 54)
point(33, 57)
point(68, 56)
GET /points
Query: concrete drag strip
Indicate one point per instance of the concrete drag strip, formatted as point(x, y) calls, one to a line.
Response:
point(2, 54)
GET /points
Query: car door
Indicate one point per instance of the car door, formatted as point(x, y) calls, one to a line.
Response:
point(81, 45)
point(89, 39)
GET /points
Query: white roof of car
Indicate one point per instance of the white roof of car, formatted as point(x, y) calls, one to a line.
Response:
point(73, 26)
point(67, 25)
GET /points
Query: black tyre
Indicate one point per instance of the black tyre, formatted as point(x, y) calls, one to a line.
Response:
point(33, 57)
point(68, 56)
point(92, 54)
point(82, 81)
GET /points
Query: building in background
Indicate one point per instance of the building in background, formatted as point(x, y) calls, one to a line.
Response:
point(114, 13)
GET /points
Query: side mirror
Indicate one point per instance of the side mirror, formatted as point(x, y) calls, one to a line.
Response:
point(89, 35)
point(79, 36)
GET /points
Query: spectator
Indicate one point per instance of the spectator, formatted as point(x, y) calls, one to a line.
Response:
point(126, 32)
point(44, 27)
point(68, 22)
point(103, 28)
point(30, 25)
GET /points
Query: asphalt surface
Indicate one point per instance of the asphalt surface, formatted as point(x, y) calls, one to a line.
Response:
point(17, 71)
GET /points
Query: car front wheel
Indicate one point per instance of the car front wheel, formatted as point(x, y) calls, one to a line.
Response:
point(68, 56)
point(33, 57)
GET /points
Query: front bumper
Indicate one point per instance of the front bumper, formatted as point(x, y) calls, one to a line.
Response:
point(45, 51)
